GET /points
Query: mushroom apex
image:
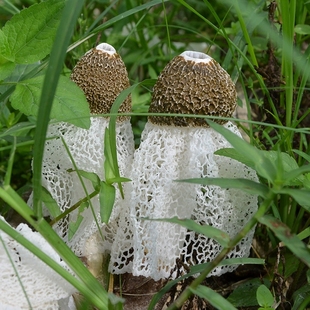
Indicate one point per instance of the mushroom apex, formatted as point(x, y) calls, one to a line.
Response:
point(107, 48)
point(196, 56)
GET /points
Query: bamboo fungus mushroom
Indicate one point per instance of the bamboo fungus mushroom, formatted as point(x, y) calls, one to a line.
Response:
point(102, 75)
point(31, 280)
point(180, 148)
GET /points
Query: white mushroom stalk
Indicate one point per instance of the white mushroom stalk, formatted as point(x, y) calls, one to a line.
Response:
point(102, 75)
point(175, 148)
point(30, 277)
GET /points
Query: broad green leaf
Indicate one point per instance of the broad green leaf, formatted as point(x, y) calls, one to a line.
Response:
point(106, 198)
point(50, 203)
point(302, 29)
point(248, 186)
point(264, 296)
point(31, 33)
point(7, 64)
point(245, 294)
point(263, 166)
point(215, 299)
point(290, 240)
point(69, 104)
point(6, 69)
point(302, 196)
point(211, 232)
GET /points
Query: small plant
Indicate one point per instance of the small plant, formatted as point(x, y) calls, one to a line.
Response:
point(264, 298)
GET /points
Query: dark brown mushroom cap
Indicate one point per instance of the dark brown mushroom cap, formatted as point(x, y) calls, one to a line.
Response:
point(102, 75)
point(193, 83)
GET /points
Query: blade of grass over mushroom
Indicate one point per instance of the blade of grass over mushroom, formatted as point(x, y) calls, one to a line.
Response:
point(50, 203)
point(81, 204)
point(91, 176)
point(290, 240)
point(231, 261)
point(246, 185)
point(214, 298)
point(70, 14)
point(209, 231)
point(107, 198)
point(110, 140)
point(263, 165)
point(89, 286)
point(15, 270)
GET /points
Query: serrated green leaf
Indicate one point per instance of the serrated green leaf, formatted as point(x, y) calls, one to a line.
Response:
point(6, 69)
point(107, 199)
point(31, 33)
point(264, 296)
point(211, 232)
point(69, 104)
point(215, 299)
point(248, 186)
point(290, 240)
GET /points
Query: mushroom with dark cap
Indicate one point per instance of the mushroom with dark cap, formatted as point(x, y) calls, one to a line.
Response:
point(175, 148)
point(102, 75)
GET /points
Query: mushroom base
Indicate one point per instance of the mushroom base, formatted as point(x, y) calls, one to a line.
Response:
point(151, 248)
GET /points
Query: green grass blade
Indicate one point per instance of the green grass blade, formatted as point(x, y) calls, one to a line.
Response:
point(289, 239)
point(248, 186)
point(215, 299)
point(211, 232)
point(7, 178)
point(89, 285)
point(263, 165)
point(67, 23)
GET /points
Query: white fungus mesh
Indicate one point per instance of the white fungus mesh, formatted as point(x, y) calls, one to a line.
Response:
point(166, 153)
point(87, 150)
point(43, 286)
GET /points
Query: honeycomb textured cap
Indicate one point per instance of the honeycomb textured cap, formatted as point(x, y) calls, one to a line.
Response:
point(102, 75)
point(193, 83)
